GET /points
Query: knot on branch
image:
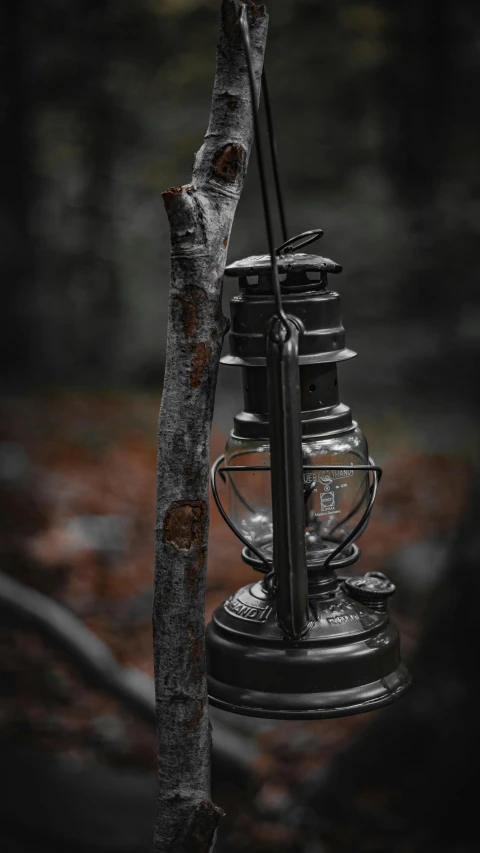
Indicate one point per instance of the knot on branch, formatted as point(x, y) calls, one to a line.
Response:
point(199, 833)
point(170, 195)
point(184, 215)
point(227, 162)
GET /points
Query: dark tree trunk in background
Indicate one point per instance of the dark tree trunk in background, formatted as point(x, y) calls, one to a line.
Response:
point(200, 216)
point(100, 297)
point(410, 782)
point(414, 96)
point(59, 320)
point(18, 326)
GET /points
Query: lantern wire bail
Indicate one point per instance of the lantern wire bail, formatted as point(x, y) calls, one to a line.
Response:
point(261, 168)
point(290, 244)
point(274, 158)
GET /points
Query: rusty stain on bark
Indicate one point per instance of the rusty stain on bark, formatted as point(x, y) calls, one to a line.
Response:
point(184, 525)
point(227, 162)
point(196, 718)
point(189, 316)
point(190, 303)
point(232, 104)
point(199, 363)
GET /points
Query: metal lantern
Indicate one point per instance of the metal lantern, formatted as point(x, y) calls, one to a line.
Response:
point(305, 640)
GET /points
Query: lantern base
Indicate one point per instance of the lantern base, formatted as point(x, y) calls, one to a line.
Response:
point(309, 706)
point(348, 663)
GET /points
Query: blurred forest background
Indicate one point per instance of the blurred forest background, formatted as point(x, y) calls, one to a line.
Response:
point(104, 103)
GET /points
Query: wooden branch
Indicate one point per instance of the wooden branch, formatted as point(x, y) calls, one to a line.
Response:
point(200, 216)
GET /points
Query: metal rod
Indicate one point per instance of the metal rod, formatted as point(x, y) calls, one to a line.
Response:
point(273, 154)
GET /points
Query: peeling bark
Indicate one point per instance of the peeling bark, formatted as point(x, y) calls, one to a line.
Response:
point(200, 216)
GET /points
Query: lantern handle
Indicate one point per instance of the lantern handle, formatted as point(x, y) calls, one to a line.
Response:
point(286, 458)
point(292, 244)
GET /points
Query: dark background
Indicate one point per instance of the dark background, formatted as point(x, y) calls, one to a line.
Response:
point(103, 104)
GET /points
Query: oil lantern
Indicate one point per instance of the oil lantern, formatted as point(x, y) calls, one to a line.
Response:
point(305, 640)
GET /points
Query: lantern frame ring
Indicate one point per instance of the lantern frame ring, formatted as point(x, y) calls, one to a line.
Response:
point(340, 562)
point(331, 562)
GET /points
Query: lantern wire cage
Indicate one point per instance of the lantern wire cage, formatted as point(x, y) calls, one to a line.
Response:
point(335, 559)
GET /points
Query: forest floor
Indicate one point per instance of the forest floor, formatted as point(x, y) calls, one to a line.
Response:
point(77, 523)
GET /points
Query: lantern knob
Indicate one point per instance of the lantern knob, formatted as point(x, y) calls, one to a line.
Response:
point(373, 589)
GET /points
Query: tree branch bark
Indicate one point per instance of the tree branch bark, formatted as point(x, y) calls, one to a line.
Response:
point(200, 216)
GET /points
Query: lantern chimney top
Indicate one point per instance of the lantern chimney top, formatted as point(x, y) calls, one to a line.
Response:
point(288, 259)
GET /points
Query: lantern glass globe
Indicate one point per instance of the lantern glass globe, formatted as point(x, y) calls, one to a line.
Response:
point(335, 498)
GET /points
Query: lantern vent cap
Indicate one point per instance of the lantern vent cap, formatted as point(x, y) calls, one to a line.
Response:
point(298, 262)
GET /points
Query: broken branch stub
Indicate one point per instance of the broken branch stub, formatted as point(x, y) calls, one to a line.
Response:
point(200, 215)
